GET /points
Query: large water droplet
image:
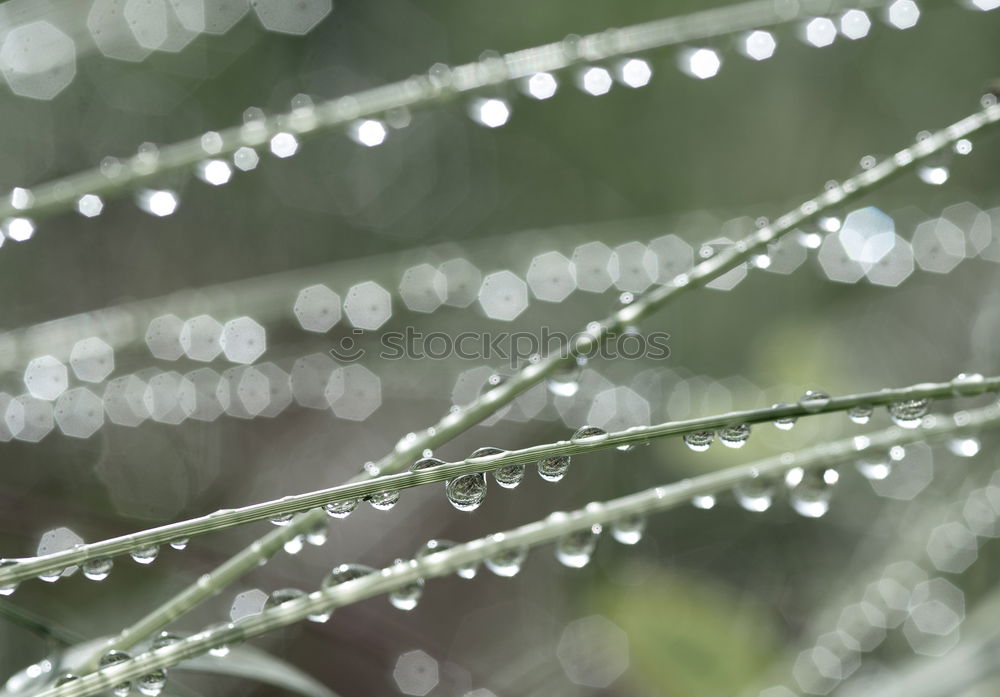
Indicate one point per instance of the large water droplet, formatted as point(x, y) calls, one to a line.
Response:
point(8, 588)
point(180, 543)
point(860, 414)
point(699, 441)
point(282, 519)
point(814, 401)
point(628, 530)
point(735, 435)
point(554, 468)
point(874, 467)
point(97, 569)
point(467, 491)
point(346, 572)
point(755, 494)
point(282, 595)
point(145, 555)
point(576, 548)
point(383, 500)
point(809, 491)
point(151, 684)
point(908, 412)
point(340, 509)
point(425, 463)
point(589, 434)
point(785, 423)
point(111, 658)
point(507, 563)
point(508, 476)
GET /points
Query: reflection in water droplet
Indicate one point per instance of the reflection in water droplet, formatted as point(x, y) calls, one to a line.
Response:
point(589, 434)
point(628, 530)
point(145, 555)
point(908, 412)
point(861, 414)
point(111, 658)
point(467, 491)
point(282, 595)
point(576, 548)
point(735, 436)
point(507, 563)
point(814, 400)
point(340, 509)
point(384, 500)
point(553, 469)
point(151, 684)
point(97, 569)
point(180, 543)
point(810, 490)
point(785, 423)
point(700, 441)
point(282, 519)
point(755, 494)
point(508, 476)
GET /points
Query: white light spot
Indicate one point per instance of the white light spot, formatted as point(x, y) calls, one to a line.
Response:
point(215, 172)
point(246, 158)
point(369, 132)
point(701, 63)
point(635, 72)
point(541, 85)
point(903, 14)
point(284, 145)
point(159, 203)
point(90, 205)
point(854, 24)
point(19, 229)
point(595, 81)
point(491, 113)
point(759, 45)
point(820, 32)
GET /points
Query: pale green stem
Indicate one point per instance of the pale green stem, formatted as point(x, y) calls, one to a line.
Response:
point(30, 567)
point(540, 532)
point(62, 194)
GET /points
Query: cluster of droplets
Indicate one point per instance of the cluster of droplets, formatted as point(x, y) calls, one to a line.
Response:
point(809, 491)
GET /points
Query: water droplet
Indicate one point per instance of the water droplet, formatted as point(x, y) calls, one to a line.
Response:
point(383, 500)
point(589, 434)
point(874, 468)
point(628, 530)
point(340, 509)
point(63, 679)
point(860, 414)
point(814, 401)
point(111, 658)
point(434, 546)
point(965, 380)
point(735, 435)
point(554, 468)
point(755, 493)
point(704, 501)
point(809, 491)
point(468, 491)
point(908, 412)
point(179, 543)
point(97, 569)
point(699, 441)
point(317, 535)
point(8, 588)
point(51, 576)
point(282, 595)
point(407, 597)
point(508, 476)
point(785, 423)
point(282, 519)
point(576, 548)
point(151, 684)
point(292, 546)
point(964, 447)
point(346, 572)
point(220, 651)
point(164, 639)
point(508, 562)
point(425, 463)
point(145, 555)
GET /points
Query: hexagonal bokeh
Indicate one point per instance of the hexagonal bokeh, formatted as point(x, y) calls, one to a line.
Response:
point(938, 245)
point(867, 235)
point(618, 408)
point(820, 32)
point(415, 673)
point(169, 397)
point(79, 413)
point(937, 609)
point(163, 337)
point(952, 547)
point(759, 45)
point(201, 337)
point(592, 262)
point(92, 360)
point(423, 288)
point(551, 277)
point(368, 305)
point(247, 603)
point(46, 378)
point(593, 652)
point(785, 255)
point(981, 511)
point(211, 398)
point(836, 262)
point(471, 383)
point(247, 390)
point(291, 17)
point(124, 401)
point(976, 224)
point(37, 60)
point(279, 384)
point(28, 418)
point(58, 540)
point(673, 256)
point(633, 266)
point(701, 63)
point(894, 267)
point(5, 433)
point(503, 296)
point(903, 14)
point(354, 392)
point(317, 308)
point(309, 377)
point(912, 471)
point(462, 282)
point(243, 340)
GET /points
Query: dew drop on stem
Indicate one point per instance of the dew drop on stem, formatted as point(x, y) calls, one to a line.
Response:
point(907, 413)
point(810, 490)
point(508, 562)
point(860, 414)
point(576, 548)
point(554, 468)
point(735, 435)
point(628, 530)
point(97, 569)
point(814, 401)
point(755, 494)
point(699, 441)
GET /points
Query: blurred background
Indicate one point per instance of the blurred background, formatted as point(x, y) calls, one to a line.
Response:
point(165, 352)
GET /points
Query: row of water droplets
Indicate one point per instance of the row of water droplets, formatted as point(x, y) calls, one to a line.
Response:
point(492, 112)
